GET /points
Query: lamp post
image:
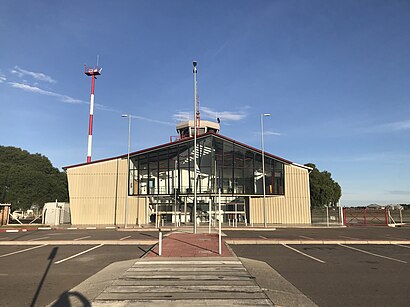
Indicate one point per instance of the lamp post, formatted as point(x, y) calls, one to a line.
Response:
point(263, 171)
point(128, 168)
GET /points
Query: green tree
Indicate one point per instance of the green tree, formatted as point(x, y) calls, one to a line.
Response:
point(324, 191)
point(27, 179)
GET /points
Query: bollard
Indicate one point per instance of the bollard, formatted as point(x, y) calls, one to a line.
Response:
point(160, 243)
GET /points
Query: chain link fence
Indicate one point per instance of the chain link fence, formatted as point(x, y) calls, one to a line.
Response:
point(330, 216)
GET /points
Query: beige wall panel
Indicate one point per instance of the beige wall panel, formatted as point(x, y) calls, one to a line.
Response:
point(97, 194)
point(293, 208)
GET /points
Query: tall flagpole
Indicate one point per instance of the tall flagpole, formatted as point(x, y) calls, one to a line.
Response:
point(195, 133)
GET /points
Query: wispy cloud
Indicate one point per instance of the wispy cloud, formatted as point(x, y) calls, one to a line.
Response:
point(272, 133)
point(182, 116)
point(389, 127)
point(71, 100)
point(37, 90)
point(397, 126)
point(208, 113)
point(153, 120)
point(224, 115)
point(3, 79)
point(36, 75)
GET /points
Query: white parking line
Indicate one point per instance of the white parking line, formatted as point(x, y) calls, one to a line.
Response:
point(305, 237)
point(79, 254)
point(373, 254)
point(82, 238)
point(406, 246)
point(125, 238)
point(302, 253)
point(262, 237)
point(36, 239)
point(23, 250)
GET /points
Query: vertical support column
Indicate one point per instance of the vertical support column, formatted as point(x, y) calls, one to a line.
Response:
point(327, 216)
point(344, 216)
point(220, 223)
point(386, 216)
point(209, 215)
point(160, 243)
point(364, 216)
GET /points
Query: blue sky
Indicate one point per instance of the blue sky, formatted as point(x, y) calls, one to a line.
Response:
point(335, 75)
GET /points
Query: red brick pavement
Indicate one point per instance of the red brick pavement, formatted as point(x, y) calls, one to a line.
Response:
point(191, 245)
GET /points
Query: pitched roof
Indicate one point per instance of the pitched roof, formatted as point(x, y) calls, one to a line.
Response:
point(220, 136)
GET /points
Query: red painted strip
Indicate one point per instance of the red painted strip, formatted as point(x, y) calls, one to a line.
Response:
point(88, 159)
point(90, 125)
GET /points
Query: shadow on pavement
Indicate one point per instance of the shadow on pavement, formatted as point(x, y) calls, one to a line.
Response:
point(64, 300)
point(40, 285)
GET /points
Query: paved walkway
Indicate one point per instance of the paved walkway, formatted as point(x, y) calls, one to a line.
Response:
point(190, 272)
point(179, 244)
point(184, 282)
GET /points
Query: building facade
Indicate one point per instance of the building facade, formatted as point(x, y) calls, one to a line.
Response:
point(159, 183)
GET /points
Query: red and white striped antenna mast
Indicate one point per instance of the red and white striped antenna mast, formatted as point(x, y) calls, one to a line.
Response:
point(93, 72)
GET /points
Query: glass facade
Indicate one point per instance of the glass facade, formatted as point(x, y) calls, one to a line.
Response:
point(235, 168)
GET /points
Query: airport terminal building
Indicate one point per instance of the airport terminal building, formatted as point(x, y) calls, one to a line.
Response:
point(158, 184)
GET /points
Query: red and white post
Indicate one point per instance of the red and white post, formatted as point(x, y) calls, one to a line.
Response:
point(96, 71)
point(90, 123)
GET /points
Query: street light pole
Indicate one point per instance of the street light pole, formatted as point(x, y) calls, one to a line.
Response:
point(128, 168)
point(263, 171)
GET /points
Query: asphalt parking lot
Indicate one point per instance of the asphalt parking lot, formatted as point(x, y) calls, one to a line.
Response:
point(330, 275)
point(338, 275)
point(349, 233)
point(78, 235)
point(35, 275)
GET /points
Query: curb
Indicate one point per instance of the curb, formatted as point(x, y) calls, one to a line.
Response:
point(313, 242)
point(80, 242)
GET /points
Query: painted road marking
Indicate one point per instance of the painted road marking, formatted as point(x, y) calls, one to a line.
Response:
point(23, 250)
point(302, 253)
point(36, 239)
point(304, 237)
point(12, 230)
point(82, 238)
point(406, 246)
point(351, 238)
point(79, 254)
point(262, 237)
point(373, 254)
point(125, 238)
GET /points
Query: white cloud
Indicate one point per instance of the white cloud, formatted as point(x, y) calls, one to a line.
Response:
point(37, 90)
point(36, 75)
point(182, 116)
point(153, 120)
point(389, 127)
point(272, 133)
point(2, 79)
point(397, 126)
point(224, 115)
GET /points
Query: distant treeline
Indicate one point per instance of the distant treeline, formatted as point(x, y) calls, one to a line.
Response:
point(29, 179)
